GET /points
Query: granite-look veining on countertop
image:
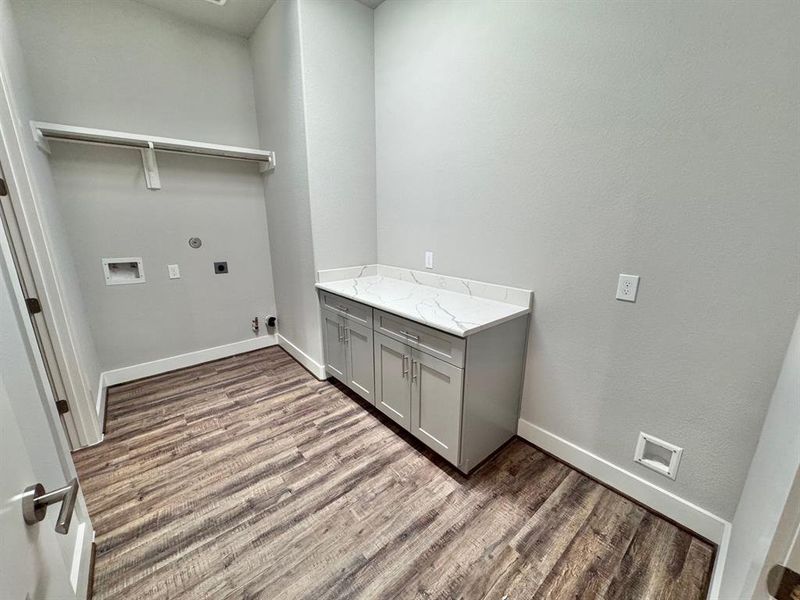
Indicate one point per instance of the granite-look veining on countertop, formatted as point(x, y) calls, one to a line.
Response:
point(461, 314)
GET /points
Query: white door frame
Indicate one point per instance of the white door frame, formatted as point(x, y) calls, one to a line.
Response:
point(25, 275)
point(80, 554)
point(785, 547)
point(24, 193)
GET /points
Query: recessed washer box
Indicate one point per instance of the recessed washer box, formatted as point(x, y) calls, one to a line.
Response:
point(658, 455)
point(123, 271)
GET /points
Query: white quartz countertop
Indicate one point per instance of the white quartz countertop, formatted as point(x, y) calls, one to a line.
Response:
point(458, 313)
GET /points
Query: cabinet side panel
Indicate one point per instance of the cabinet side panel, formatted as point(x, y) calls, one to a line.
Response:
point(492, 390)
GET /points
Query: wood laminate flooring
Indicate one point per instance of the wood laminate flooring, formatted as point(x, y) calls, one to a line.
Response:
point(248, 478)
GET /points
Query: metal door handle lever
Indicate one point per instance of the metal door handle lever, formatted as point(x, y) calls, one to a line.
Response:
point(35, 502)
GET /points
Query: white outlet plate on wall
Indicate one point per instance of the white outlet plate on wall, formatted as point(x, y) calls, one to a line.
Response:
point(174, 271)
point(627, 286)
point(658, 455)
point(429, 260)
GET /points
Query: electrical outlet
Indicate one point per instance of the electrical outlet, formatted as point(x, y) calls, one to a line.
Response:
point(429, 260)
point(174, 271)
point(627, 287)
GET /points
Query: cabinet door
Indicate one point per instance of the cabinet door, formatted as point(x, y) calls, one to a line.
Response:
point(392, 380)
point(436, 392)
point(335, 358)
point(360, 362)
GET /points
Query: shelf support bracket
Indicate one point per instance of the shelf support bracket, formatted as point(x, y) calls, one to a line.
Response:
point(267, 165)
point(150, 165)
point(40, 140)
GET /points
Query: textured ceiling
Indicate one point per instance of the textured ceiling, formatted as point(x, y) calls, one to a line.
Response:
point(236, 16)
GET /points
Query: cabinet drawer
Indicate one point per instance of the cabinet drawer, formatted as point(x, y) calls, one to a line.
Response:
point(437, 343)
point(357, 312)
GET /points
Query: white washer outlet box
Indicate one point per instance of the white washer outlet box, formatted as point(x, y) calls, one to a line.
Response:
point(123, 271)
point(658, 455)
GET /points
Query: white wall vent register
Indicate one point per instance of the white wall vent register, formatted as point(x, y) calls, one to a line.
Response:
point(122, 271)
point(658, 455)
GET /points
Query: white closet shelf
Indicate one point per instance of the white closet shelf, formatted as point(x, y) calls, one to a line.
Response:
point(147, 144)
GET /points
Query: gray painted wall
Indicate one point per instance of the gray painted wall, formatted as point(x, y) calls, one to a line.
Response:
point(50, 240)
point(314, 84)
point(276, 56)
point(339, 83)
point(120, 64)
point(554, 145)
point(222, 202)
point(123, 65)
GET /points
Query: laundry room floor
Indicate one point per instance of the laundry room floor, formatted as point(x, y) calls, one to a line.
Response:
point(248, 478)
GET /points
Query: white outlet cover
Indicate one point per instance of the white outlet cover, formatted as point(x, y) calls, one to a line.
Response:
point(174, 271)
point(428, 260)
point(627, 287)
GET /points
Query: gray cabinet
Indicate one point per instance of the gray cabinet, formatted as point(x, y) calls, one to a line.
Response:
point(333, 336)
point(348, 353)
point(421, 393)
point(354, 311)
point(426, 339)
point(393, 379)
point(436, 393)
point(459, 396)
point(360, 373)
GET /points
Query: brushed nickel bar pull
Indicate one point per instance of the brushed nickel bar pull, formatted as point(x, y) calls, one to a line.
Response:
point(405, 365)
point(344, 308)
point(35, 502)
point(346, 335)
point(411, 335)
point(341, 334)
point(414, 370)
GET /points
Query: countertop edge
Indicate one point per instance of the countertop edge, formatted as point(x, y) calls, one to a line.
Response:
point(411, 317)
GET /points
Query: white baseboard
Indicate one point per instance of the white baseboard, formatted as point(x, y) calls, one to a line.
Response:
point(97, 443)
point(80, 570)
point(100, 405)
point(316, 369)
point(691, 516)
point(719, 564)
point(164, 365)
